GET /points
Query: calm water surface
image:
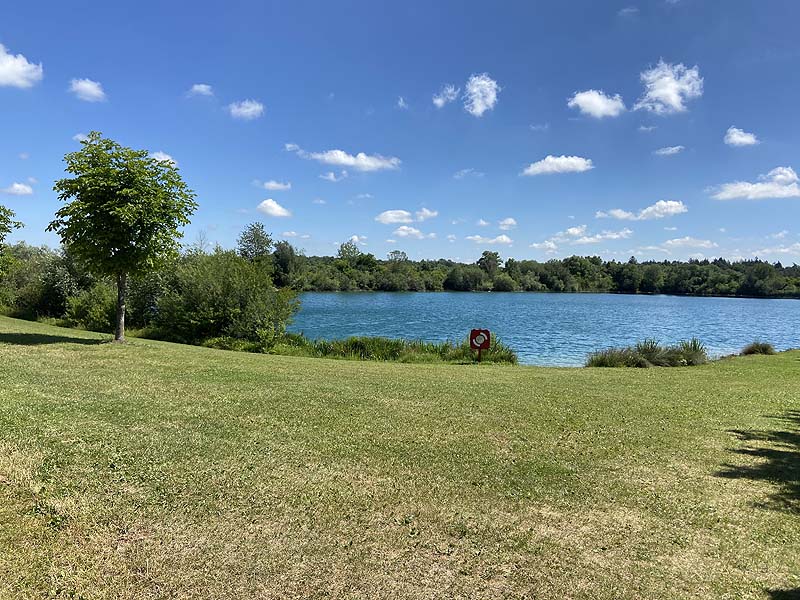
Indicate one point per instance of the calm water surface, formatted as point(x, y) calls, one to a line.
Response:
point(552, 329)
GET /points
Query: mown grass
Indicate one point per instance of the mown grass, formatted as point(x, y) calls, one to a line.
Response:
point(154, 470)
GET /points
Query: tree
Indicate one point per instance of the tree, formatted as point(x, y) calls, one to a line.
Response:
point(254, 243)
point(397, 256)
point(349, 251)
point(287, 264)
point(124, 212)
point(489, 262)
point(7, 223)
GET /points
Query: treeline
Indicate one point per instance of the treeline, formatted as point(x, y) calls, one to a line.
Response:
point(353, 270)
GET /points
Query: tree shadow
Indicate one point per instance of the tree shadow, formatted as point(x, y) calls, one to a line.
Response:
point(793, 594)
point(778, 456)
point(38, 339)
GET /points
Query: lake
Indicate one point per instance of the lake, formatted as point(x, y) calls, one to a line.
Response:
point(552, 329)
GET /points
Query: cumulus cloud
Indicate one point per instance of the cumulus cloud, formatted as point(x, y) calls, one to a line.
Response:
point(333, 177)
point(87, 90)
point(668, 150)
point(558, 164)
point(200, 89)
point(318, 201)
point(595, 103)
point(394, 216)
point(401, 103)
point(689, 242)
point(501, 239)
point(17, 71)
point(271, 208)
point(289, 234)
point(781, 182)
point(412, 232)
point(549, 245)
point(246, 110)
point(424, 214)
point(80, 137)
point(578, 236)
point(482, 223)
point(275, 186)
point(17, 189)
point(340, 158)
point(603, 236)
point(451, 237)
point(480, 94)
point(738, 137)
point(659, 210)
point(507, 224)
point(447, 94)
point(358, 239)
point(647, 128)
point(628, 11)
point(163, 157)
point(667, 88)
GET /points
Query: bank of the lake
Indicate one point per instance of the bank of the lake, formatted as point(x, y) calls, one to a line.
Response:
point(552, 329)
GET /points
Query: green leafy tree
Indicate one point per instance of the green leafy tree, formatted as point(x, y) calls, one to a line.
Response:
point(349, 252)
point(490, 262)
point(7, 223)
point(123, 214)
point(254, 243)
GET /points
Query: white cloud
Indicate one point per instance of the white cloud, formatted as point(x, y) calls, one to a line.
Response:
point(647, 128)
point(88, 90)
point(446, 95)
point(689, 242)
point(412, 232)
point(163, 157)
point(604, 236)
point(200, 89)
point(394, 216)
point(467, 172)
point(792, 249)
point(16, 71)
point(780, 235)
point(781, 182)
point(480, 94)
point(340, 158)
point(548, 245)
point(507, 224)
point(576, 231)
point(318, 201)
point(451, 237)
point(670, 229)
point(246, 110)
point(540, 126)
point(276, 186)
point(358, 239)
point(738, 137)
point(482, 223)
point(667, 87)
point(558, 164)
point(424, 214)
point(501, 239)
point(364, 196)
point(273, 209)
point(669, 150)
point(401, 103)
point(597, 104)
point(17, 189)
point(659, 210)
point(24, 156)
point(289, 234)
point(332, 177)
point(628, 11)
point(80, 137)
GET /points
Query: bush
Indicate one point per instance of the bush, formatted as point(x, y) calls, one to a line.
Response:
point(758, 348)
point(649, 353)
point(94, 309)
point(387, 349)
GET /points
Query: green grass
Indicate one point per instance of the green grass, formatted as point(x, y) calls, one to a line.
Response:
point(758, 348)
point(649, 353)
point(154, 470)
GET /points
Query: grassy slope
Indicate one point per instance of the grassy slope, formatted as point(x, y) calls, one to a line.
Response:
point(163, 471)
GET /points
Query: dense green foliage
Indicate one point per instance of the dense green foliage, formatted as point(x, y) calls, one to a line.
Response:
point(758, 348)
point(123, 212)
point(649, 353)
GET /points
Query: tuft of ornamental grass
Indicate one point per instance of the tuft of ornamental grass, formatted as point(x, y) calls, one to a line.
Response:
point(649, 353)
point(758, 347)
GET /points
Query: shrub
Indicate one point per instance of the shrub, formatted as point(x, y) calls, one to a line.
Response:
point(649, 353)
point(758, 348)
point(94, 309)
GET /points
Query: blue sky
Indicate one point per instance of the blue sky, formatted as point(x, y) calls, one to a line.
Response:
point(664, 129)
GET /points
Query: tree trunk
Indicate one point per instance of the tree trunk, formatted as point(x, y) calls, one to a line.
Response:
point(122, 293)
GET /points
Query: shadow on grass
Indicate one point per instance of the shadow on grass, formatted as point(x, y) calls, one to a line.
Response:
point(38, 339)
point(777, 455)
point(793, 594)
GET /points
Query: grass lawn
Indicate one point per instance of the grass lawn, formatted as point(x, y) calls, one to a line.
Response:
point(154, 470)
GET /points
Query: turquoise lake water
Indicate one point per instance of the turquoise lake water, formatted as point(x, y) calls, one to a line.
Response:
point(552, 329)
